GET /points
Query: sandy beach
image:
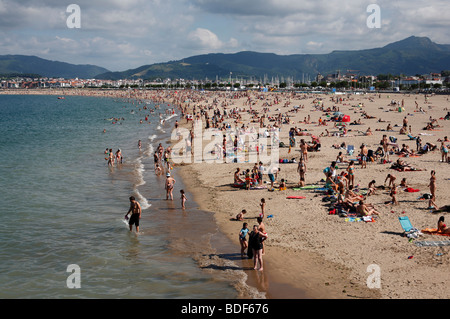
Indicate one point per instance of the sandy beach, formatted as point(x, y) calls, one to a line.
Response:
point(324, 253)
point(327, 255)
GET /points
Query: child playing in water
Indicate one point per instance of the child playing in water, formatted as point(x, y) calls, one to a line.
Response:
point(183, 199)
point(243, 238)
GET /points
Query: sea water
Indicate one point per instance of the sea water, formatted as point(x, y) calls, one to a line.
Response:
point(61, 204)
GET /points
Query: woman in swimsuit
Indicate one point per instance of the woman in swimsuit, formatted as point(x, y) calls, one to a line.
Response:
point(351, 174)
point(301, 169)
point(170, 181)
point(444, 152)
point(111, 157)
point(442, 228)
point(257, 245)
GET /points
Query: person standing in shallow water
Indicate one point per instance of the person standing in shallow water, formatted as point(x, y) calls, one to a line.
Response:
point(170, 182)
point(135, 210)
point(256, 243)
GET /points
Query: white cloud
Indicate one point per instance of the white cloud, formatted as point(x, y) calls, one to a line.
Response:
point(205, 39)
point(119, 34)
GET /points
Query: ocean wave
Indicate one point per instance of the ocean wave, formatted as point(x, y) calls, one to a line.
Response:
point(139, 173)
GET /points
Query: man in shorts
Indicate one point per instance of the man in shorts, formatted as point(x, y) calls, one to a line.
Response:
point(135, 210)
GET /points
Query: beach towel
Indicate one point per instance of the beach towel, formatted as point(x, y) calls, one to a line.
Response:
point(258, 187)
point(368, 219)
point(295, 197)
point(353, 219)
point(411, 190)
point(307, 187)
point(433, 231)
point(439, 243)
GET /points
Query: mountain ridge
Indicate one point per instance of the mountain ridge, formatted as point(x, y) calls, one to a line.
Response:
point(409, 56)
point(26, 64)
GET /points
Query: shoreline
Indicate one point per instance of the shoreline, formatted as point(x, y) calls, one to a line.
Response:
point(308, 250)
point(311, 280)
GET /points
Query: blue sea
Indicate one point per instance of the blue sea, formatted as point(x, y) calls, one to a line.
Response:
point(62, 205)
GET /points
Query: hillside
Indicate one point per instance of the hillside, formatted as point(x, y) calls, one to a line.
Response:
point(22, 64)
point(413, 55)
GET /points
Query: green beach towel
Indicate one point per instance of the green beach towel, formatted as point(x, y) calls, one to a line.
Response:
point(307, 187)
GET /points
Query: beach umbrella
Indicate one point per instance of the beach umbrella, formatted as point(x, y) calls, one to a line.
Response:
point(338, 113)
point(346, 118)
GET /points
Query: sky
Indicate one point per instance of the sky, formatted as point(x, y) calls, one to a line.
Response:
point(125, 34)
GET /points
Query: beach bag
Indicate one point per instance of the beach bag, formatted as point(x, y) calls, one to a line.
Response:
point(426, 196)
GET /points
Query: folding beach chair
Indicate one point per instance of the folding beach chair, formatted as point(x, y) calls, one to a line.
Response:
point(408, 228)
point(350, 149)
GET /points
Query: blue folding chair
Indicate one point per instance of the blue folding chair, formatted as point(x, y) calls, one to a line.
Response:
point(350, 149)
point(406, 225)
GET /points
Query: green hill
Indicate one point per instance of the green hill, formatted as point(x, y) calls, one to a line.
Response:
point(413, 55)
point(22, 64)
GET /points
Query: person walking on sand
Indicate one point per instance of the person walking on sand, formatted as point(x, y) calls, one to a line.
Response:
point(432, 185)
point(444, 152)
point(135, 210)
point(364, 154)
point(263, 207)
point(385, 144)
point(304, 149)
point(170, 182)
point(301, 169)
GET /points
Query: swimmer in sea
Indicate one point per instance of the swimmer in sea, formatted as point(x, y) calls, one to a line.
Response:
point(135, 210)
